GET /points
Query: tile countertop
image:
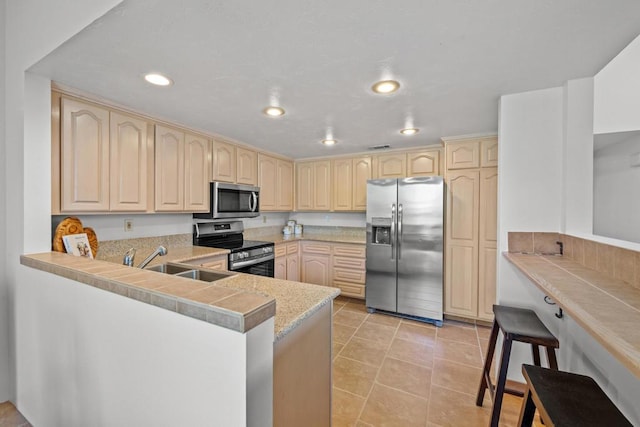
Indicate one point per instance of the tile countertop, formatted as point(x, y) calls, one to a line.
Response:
point(239, 302)
point(174, 254)
point(607, 308)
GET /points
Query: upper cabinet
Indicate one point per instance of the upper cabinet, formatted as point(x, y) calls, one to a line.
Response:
point(84, 157)
point(197, 166)
point(403, 165)
point(224, 162)
point(349, 191)
point(313, 189)
point(246, 166)
point(275, 179)
point(169, 169)
point(489, 152)
point(391, 166)
point(463, 155)
point(423, 163)
point(129, 163)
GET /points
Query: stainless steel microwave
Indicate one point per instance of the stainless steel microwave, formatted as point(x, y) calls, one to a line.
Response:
point(232, 201)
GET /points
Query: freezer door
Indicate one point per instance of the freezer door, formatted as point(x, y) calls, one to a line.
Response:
point(381, 245)
point(420, 246)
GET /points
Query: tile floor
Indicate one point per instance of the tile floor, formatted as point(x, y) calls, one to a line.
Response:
point(10, 417)
point(394, 372)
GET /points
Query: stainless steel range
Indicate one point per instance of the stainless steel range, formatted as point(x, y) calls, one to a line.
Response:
point(246, 256)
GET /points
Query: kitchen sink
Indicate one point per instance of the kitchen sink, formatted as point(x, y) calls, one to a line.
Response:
point(189, 272)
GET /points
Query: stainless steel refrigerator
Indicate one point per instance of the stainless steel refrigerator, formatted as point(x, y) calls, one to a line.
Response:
point(405, 246)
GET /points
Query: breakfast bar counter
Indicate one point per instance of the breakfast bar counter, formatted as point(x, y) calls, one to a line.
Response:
point(607, 308)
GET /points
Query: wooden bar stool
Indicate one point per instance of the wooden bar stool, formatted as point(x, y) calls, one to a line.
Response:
point(566, 399)
point(516, 324)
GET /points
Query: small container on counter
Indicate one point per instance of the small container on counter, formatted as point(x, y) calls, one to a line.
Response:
point(287, 230)
point(291, 223)
point(298, 229)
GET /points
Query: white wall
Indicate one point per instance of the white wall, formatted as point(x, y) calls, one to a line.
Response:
point(6, 378)
point(617, 85)
point(31, 29)
point(91, 357)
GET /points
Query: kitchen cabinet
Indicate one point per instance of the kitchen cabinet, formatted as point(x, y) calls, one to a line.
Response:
point(349, 269)
point(169, 169)
point(213, 262)
point(349, 190)
point(286, 261)
point(275, 179)
point(463, 155)
point(391, 166)
point(84, 157)
point(129, 163)
point(313, 189)
point(197, 162)
point(246, 166)
point(471, 232)
point(423, 163)
point(224, 162)
point(489, 152)
point(315, 263)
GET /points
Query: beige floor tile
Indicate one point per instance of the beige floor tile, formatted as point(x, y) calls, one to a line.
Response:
point(457, 333)
point(345, 408)
point(376, 332)
point(454, 376)
point(337, 347)
point(409, 351)
point(356, 306)
point(11, 417)
point(363, 424)
point(448, 408)
point(384, 319)
point(353, 376)
point(458, 352)
point(342, 333)
point(388, 407)
point(405, 376)
point(349, 318)
point(484, 333)
point(365, 351)
point(416, 333)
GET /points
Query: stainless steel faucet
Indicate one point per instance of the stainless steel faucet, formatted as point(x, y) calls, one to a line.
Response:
point(160, 250)
point(128, 257)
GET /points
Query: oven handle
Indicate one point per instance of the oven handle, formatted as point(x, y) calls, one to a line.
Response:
point(240, 264)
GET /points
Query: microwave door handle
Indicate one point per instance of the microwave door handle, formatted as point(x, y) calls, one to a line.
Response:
point(254, 202)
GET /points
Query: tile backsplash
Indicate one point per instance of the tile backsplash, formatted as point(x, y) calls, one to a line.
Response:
point(616, 262)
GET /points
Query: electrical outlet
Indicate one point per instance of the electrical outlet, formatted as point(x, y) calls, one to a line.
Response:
point(264, 219)
point(128, 225)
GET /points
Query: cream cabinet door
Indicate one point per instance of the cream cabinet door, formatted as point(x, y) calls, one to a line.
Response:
point(280, 268)
point(342, 185)
point(304, 186)
point(488, 242)
point(463, 155)
point(128, 163)
point(197, 161)
point(423, 163)
point(284, 185)
point(461, 271)
point(489, 152)
point(247, 166)
point(391, 166)
point(361, 173)
point(316, 269)
point(322, 185)
point(84, 157)
point(224, 162)
point(267, 177)
point(293, 268)
point(169, 169)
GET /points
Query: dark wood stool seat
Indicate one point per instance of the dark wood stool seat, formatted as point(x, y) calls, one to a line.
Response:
point(566, 399)
point(516, 324)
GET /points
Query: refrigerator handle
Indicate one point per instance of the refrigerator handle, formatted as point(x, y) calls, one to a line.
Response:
point(393, 231)
point(399, 249)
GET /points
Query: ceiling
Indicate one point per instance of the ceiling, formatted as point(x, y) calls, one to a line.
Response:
point(318, 60)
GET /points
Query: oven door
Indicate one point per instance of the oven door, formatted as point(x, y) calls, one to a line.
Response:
point(264, 268)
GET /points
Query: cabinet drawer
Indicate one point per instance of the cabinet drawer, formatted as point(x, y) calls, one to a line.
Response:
point(281, 250)
point(351, 276)
point(216, 265)
point(292, 248)
point(316, 248)
point(357, 251)
point(350, 290)
point(353, 263)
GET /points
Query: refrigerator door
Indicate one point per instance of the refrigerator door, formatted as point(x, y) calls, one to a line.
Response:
point(420, 246)
point(381, 244)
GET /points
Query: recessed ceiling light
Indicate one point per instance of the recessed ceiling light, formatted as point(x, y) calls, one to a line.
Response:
point(273, 111)
point(158, 79)
point(329, 141)
point(385, 86)
point(409, 131)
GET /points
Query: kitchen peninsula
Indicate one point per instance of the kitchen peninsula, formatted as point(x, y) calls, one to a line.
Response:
point(256, 339)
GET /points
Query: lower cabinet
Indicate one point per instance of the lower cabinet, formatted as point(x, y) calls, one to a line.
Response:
point(286, 265)
point(334, 264)
point(214, 262)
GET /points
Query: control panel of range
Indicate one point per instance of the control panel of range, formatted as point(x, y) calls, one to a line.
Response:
point(256, 253)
